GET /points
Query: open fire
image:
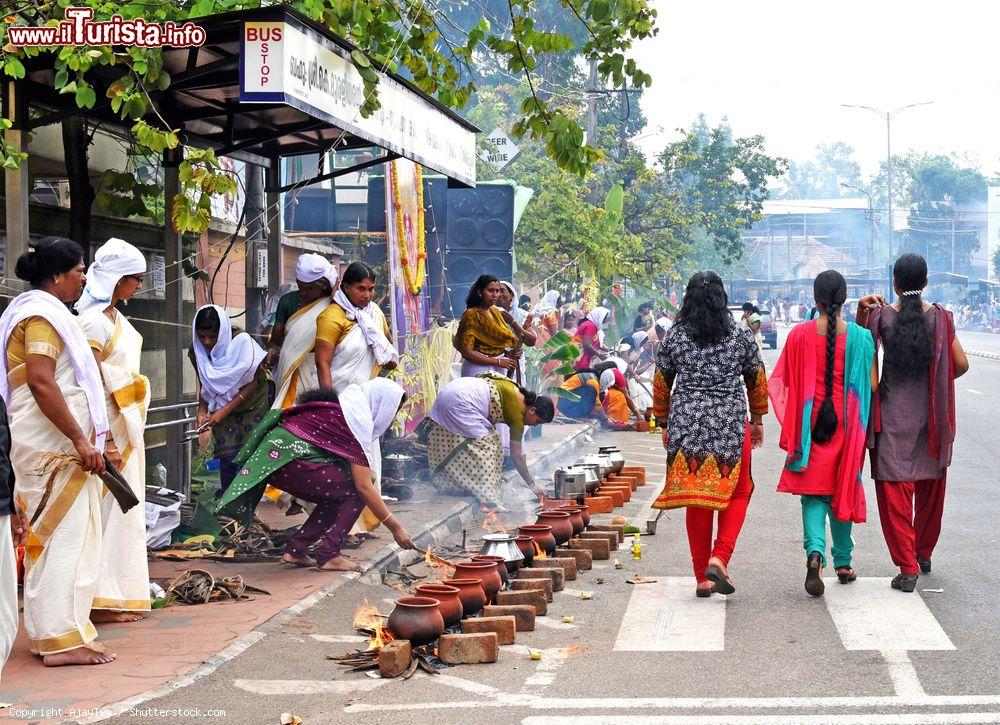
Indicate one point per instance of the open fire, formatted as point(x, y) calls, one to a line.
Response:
point(493, 525)
point(539, 552)
point(439, 565)
point(368, 620)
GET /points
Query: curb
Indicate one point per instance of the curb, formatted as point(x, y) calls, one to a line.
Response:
point(453, 521)
point(987, 355)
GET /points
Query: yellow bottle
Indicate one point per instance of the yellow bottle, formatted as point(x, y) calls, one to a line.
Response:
point(636, 547)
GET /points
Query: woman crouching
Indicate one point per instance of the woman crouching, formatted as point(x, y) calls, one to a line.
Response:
point(322, 450)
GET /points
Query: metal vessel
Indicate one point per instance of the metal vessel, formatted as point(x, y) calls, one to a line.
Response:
point(571, 481)
point(615, 454)
point(504, 545)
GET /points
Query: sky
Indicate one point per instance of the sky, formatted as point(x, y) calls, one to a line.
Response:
point(782, 68)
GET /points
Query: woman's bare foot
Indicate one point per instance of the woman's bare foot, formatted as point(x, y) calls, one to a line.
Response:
point(79, 656)
point(338, 563)
point(298, 560)
point(111, 616)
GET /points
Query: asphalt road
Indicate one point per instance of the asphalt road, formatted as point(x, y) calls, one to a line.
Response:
point(652, 653)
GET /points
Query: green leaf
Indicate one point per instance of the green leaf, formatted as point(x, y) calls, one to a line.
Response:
point(360, 59)
point(85, 97)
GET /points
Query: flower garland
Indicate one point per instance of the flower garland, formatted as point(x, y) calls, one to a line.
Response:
point(414, 281)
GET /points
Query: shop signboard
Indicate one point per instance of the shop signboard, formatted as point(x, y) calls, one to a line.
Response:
point(290, 62)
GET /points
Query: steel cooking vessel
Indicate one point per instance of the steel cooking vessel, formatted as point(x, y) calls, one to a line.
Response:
point(571, 482)
point(603, 463)
point(504, 545)
point(615, 454)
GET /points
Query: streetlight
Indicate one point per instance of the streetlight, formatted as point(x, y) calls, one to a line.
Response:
point(888, 116)
point(871, 223)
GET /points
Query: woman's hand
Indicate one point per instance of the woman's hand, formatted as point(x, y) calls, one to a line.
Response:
point(202, 419)
point(113, 454)
point(19, 527)
point(400, 536)
point(871, 301)
point(506, 363)
point(757, 434)
point(529, 320)
point(391, 365)
point(541, 493)
point(91, 459)
point(217, 417)
point(507, 317)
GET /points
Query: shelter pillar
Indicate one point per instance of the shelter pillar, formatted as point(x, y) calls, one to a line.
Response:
point(17, 182)
point(176, 460)
point(273, 215)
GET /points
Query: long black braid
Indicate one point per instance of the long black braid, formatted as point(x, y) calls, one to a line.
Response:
point(830, 290)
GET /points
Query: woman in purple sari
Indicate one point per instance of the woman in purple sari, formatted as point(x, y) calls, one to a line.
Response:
point(321, 450)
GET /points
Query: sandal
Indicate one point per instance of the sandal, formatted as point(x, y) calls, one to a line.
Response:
point(846, 574)
point(905, 582)
point(925, 565)
point(723, 584)
point(704, 593)
point(814, 579)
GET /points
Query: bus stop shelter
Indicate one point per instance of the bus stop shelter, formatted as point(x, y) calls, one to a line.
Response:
point(267, 84)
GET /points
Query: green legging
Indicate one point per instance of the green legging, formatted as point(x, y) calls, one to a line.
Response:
point(815, 512)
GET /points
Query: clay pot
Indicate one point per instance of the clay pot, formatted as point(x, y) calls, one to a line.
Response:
point(584, 510)
point(527, 548)
point(470, 594)
point(562, 527)
point(416, 619)
point(501, 566)
point(449, 604)
point(542, 535)
point(575, 518)
point(485, 571)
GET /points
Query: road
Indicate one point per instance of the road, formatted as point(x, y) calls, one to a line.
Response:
point(652, 653)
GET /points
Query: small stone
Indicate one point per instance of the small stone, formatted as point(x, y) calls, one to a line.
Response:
point(469, 649)
point(524, 615)
point(532, 597)
point(394, 658)
point(543, 582)
point(503, 627)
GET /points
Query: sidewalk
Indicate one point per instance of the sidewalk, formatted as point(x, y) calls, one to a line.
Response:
point(175, 646)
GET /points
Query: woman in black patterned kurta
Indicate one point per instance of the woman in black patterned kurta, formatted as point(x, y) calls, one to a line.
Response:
point(702, 366)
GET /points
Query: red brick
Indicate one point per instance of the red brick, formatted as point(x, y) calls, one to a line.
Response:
point(394, 658)
point(600, 504)
point(534, 598)
point(598, 548)
point(584, 560)
point(469, 649)
point(630, 480)
point(616, 496)
point(556, 575)
point(524, 616)
point(619, 486)
point(568, 565)
point(529, 582)
point(638, 471)
point(503, 627)
point(618, 529)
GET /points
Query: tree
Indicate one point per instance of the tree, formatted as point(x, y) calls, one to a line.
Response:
point(824, 176)
point(405, 36)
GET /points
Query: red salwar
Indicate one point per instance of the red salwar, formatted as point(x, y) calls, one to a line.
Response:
point(700, 522)
point(909, 534)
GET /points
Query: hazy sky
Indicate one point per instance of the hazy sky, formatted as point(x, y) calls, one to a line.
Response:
point(782, 68)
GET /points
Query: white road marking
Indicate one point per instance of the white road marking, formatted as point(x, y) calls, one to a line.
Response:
point(476, 688)
point(665, 616)
point(975, 392)
point(546, 668)
point(308, 687)
point(905, 681)
point(547, 702)
point(870, 615)
point(338, 638)
point(910, 718)
point(551, 624)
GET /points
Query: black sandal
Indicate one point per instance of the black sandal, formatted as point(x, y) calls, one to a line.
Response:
point(814, 579)
point(905, 582)
point(723, 584)
point(925, 565)
point(846, 574)
point(704, 593)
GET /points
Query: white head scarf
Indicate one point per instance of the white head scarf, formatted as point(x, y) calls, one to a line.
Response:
point(230, 365)
point(639, 339)
point(664, 323)
point(311, 267)
point(607, 378)
point(370, 324)
point(369, 410)
point(114, 259)
point(619, 363)
point(547, 304)
point(600, 316)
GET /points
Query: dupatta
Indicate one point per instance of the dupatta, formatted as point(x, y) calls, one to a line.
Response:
point(486, 327)
point(792, 389)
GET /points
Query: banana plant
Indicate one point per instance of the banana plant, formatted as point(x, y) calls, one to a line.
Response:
point(559, 348)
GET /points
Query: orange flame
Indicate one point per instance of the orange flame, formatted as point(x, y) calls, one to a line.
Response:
point(366, 617)
point(441, 567)
point(492, 524)
point(539, 553)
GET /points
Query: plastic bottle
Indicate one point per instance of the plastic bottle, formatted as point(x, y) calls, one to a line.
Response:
point(636, 547)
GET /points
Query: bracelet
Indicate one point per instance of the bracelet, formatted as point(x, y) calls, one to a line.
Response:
point(382, 521)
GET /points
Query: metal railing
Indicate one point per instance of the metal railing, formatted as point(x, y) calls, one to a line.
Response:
point(178, 451)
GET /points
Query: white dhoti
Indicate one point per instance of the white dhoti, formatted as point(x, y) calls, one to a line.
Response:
point(8, 591)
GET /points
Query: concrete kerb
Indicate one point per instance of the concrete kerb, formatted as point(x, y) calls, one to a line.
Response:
point(987, 355)
point(452, 521)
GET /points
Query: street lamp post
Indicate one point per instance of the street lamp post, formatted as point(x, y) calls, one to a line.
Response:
point(888, 116)
point(871, 224)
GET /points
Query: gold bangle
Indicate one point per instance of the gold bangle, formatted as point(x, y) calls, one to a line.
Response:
point(382, 521)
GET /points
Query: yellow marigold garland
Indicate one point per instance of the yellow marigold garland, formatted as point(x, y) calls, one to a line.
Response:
point(414, 281)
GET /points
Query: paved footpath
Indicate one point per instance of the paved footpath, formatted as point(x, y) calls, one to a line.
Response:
point(652, 653)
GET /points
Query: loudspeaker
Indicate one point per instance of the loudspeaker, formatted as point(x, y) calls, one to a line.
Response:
point(479, 238)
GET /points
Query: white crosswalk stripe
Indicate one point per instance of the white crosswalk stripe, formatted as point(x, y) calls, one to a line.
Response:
point(665, 616)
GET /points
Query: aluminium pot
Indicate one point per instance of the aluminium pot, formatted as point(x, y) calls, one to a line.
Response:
point(615, 454)
point(504, 546)
point(571, 482)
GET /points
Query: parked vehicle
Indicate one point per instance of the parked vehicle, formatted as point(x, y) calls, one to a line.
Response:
point(768, 330)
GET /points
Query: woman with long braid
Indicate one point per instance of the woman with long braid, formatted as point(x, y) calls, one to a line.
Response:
point(821, 391)
point(914, 416)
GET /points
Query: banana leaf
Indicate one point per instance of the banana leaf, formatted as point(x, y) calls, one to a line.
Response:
point(557, 340)
point(566, 353)
point(564, 369)
point(569, 395)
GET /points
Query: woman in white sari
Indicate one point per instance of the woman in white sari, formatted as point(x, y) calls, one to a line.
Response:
point(293, 337)
point(58, 422)
point(122, 593)
point(353, 346)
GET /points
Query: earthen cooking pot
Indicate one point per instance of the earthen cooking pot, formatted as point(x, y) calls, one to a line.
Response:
point(527, 548)
point(416, 619)
point(470, 593)
point(485, 571)
point(449, 604)
point(575, 518)
point(583, 508)
point(500, 564)
point(542, 535)
point(562, 527)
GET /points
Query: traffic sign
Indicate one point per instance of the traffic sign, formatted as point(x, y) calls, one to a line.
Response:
point(505, 150)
